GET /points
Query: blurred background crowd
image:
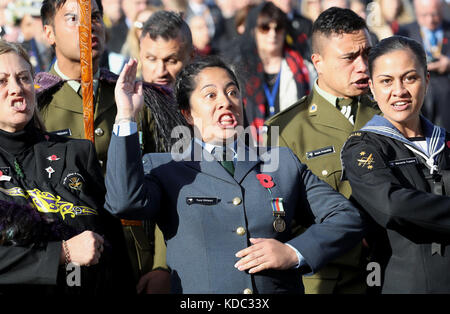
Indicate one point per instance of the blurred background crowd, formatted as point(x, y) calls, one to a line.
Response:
point(225, 28)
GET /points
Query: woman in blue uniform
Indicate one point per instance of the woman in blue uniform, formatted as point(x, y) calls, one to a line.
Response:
point(226, 213)
point(51, 199)
point(398, 167)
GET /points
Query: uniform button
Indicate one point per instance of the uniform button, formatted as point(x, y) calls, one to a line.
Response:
point(99, 132)
point(324, 172)
point(236, 201)
point(240, 231)
point(247, 291)
point(101, 163)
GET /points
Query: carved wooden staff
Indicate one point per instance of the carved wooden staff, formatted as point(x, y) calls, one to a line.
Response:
point(87, 81)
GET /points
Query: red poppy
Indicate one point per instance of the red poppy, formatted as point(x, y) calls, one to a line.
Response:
point(265, 180)
point(53, 157)
point(262, 108)
point(1, 173)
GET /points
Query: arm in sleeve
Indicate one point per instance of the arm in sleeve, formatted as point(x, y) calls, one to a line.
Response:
point(387, 201)
point(338, 225)
point(129, 193)
point(26, 265)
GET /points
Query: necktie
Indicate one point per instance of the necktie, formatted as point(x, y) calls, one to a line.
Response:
point(225, 157)
point(348, 107)
point(433, 39)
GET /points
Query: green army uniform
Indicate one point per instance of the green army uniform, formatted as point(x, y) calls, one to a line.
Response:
point(62, 110)
point(315, 131)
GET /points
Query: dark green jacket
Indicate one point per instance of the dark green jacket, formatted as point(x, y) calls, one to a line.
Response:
point(62, 108)
point(315, 131)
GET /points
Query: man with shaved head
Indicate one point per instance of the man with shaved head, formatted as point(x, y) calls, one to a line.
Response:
point(433, 32)
point(316, 127)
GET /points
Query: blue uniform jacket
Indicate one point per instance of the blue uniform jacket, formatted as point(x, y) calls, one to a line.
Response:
point(202, 211)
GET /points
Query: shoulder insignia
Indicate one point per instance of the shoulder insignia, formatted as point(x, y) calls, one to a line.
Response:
point(74, 181)
point(355, 134)
point(313, 108)
point(365, 160)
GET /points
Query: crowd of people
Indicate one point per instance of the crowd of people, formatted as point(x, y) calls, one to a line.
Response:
point(313, 142)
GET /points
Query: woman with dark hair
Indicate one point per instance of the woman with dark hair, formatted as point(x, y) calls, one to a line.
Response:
point(275, 76)
point(225, 212)
point(51, 200)
point(398, 166)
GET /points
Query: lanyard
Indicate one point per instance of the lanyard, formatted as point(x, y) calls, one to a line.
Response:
point(272, 95)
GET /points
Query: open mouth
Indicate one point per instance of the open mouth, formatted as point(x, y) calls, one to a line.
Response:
point(401, 105)
point(362, 83)
point(227, 121)
point(95, 42)
point(19, 105)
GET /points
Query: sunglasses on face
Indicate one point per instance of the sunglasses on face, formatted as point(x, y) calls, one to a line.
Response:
point(265, 28)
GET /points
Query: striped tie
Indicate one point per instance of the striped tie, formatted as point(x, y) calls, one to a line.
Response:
point(348, 107)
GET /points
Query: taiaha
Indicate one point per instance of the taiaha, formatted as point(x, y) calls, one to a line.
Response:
point(87, 81)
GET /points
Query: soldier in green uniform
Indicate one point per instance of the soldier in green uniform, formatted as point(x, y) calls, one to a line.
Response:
point(316, 127)
point(60, 103)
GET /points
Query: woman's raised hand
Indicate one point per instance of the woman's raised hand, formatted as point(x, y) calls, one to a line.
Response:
point(128, 93)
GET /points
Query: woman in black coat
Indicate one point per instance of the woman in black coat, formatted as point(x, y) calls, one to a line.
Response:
point(55, 236)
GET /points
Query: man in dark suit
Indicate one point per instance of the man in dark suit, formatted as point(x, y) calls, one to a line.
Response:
point(433, 32)
point(226, 220)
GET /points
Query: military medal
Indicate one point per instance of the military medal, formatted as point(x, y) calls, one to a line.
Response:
point(279, 225)
point(50, 171)
point(278, 212)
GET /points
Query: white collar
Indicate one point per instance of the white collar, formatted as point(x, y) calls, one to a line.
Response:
point(74, 83)
point(209, 147)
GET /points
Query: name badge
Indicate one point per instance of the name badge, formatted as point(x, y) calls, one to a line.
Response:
point(65, 132)
point(202, 200)
point(403, 162)
point(320, 152)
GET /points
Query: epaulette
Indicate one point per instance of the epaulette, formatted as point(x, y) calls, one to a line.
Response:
point(291, 107)
point(108, 76)
point(44, 81)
